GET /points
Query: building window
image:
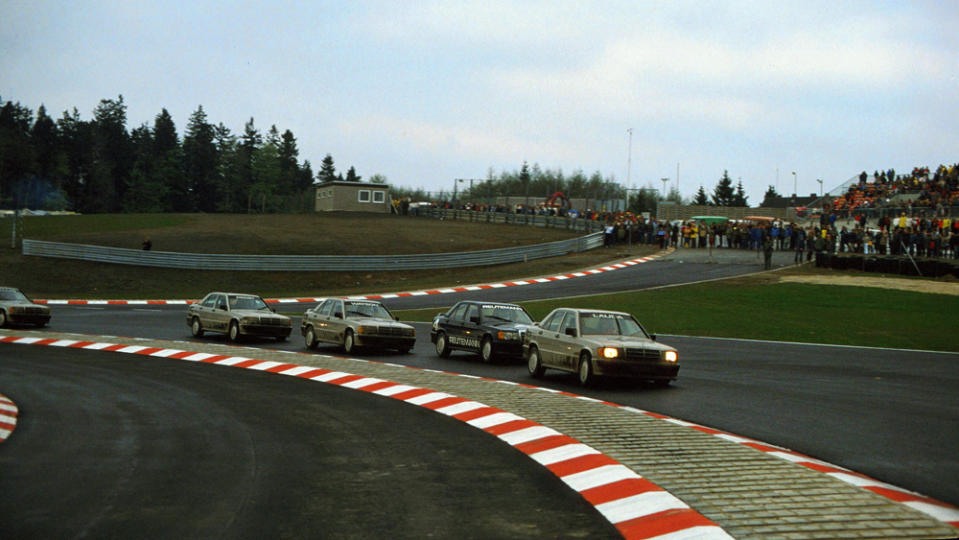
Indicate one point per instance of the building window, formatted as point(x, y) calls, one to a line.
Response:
point(379, 197)
point(364, 196)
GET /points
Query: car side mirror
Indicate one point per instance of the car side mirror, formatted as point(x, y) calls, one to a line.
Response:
point(338, 315)
point(571, 332)
point(652, 337)
point(475, 319)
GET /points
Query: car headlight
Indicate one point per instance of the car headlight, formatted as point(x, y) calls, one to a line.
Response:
point(507, 336)
point(365, 330)
point(249, 320)
point(608, 352)
point(671, 356)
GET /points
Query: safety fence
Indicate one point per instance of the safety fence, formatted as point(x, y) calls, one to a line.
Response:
point(309, 263)
point(533, 220)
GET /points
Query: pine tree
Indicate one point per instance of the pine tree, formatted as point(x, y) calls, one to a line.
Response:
point(327, 170)
point(701, 199)
point(739, 199)
point(723, 193)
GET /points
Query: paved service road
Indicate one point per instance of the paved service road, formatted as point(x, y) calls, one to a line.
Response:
point(108, 445)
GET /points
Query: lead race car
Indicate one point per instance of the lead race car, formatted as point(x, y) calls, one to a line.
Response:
point(493, 330)
point(594, 343)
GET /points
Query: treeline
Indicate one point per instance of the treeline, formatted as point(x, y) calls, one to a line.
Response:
point(99, 166)
point(535, 184)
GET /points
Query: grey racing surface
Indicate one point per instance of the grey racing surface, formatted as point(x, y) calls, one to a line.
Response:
point(891, 414)
point(109, 445)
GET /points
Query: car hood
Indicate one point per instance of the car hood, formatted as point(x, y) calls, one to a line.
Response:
point(366, 321)
point(258, 313)
point(509, 326)
point(627, 342)
point(22, 304)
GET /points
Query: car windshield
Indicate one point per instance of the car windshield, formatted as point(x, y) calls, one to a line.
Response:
point(13, 294)
point(514, 314)
point(247, 302)
point(610, 324)
point(367, 310)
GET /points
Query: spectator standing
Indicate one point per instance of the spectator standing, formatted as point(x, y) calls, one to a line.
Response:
point(797, 242)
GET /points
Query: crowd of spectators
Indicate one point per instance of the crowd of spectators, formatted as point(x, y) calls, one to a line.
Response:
point(914, 193)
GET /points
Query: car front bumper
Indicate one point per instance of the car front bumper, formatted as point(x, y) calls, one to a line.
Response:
point(658, 371)
point(384, 342)
point(265, 330)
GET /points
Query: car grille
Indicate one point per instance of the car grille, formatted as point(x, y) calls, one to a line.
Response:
point(33, 310)
point(393, 331)
point(270, 321)
point(642, 355)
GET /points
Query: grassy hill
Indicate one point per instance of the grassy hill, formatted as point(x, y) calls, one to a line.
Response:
point(300, 234)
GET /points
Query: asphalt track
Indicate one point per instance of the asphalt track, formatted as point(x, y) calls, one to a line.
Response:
point(854, 407)
point(111, 446)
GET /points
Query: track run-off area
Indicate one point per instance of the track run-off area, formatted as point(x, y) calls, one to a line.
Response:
point(724, 452)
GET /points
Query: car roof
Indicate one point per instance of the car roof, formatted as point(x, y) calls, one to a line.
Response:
point(484, 303)
point(587, 310)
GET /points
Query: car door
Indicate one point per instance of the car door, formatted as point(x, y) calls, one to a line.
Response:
point(567, 342)
point(336, 322)
point(545, 335)
point(219, 316)
point(455, 325)
point(318, 320)
point(471, 331)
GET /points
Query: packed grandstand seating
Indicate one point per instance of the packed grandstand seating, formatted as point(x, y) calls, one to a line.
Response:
point(906, 193)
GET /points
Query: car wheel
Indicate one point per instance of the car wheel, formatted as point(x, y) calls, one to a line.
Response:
point(234, 333)
point(196, 328)
point(310, 338)
point(533, 363)
point(349, 345)
point(3, 318)
point(442, 347)
point(486, 350)
point(585, 371)
point(403, 350)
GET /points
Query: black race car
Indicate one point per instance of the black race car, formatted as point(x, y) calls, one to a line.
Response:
point(493, 330)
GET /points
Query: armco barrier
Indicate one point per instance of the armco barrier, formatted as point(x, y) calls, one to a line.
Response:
point(308, 263)
point(533, 220)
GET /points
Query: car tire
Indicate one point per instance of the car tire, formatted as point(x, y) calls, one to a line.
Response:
point(533, 363)
point(486, 349)
point(585, 371)
point(233, 334)
point(196, 328)
point(442, 346)
point(349, 344)
point(403, 350)
point(3, 318)
point(310, 338)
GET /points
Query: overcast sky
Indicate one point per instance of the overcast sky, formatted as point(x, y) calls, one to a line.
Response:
point(424, 92)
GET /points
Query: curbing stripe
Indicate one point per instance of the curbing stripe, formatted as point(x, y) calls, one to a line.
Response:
point(622, 503)
point(8, 417)
point(381, 296)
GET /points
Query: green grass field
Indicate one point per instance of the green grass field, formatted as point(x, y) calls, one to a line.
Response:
point(754, 307)
point(758, 308)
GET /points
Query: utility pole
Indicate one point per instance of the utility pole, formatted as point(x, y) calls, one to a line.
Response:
point(629, 164)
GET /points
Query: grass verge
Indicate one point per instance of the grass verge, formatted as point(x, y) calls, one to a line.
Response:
point(757, 307)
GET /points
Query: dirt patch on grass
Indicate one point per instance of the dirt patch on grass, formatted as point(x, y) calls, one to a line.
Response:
point(915, 285)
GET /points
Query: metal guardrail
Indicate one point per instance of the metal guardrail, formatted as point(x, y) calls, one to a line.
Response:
point(308, 263)
point(533, 220)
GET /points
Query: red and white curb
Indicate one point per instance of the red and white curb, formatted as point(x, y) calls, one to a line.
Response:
point(938, 510)
point(384, 296)
point(8, 417)
point(635, 506)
